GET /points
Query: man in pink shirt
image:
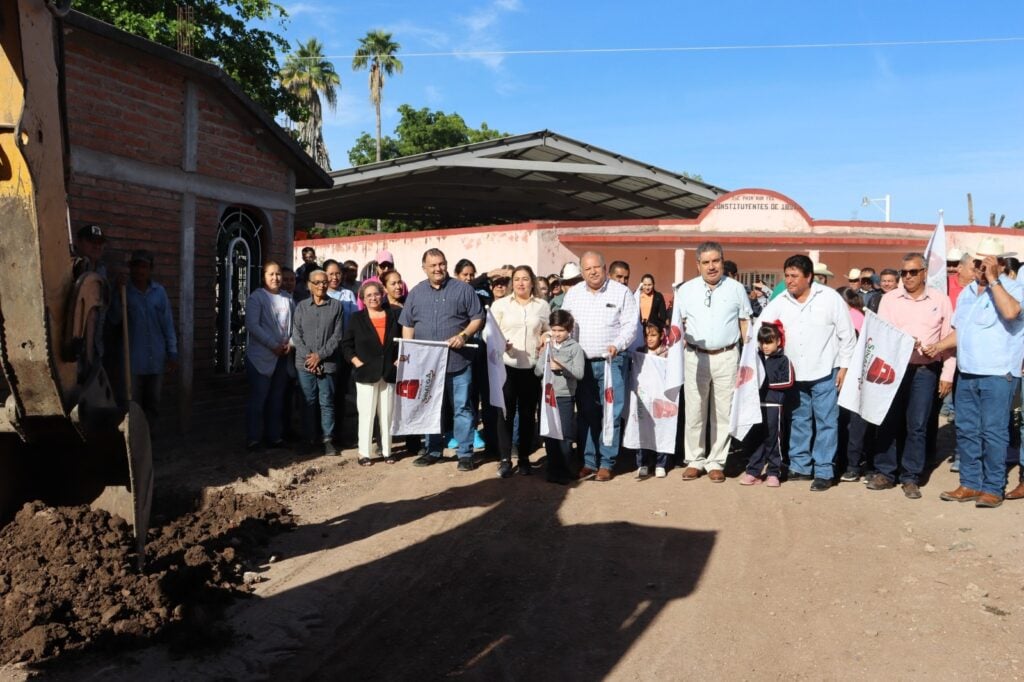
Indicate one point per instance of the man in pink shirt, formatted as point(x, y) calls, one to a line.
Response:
point(960, 271)
point(926, 314)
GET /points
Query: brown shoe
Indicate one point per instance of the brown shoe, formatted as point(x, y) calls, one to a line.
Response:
point(961, 494)
point(987, 500)
point(716, 476)
point(911, 490)
point(1017, 493)
point(585, 472)
point(691, 474)
point(603, 475)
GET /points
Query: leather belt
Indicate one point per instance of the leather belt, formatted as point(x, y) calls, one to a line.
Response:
point(712, 352)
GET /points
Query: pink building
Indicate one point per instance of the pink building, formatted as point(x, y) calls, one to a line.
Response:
point(758, 228)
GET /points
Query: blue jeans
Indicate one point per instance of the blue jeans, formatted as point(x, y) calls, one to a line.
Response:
point(457, 387)
point(815, 418)
point(982, 410)
point(266, 401)
point(317, 389)
point(912, 406)
point(589, 399)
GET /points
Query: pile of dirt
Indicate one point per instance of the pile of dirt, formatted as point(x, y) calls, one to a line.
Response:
point(69, 582)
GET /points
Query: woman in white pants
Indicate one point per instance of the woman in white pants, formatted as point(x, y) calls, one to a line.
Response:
point(369, 344)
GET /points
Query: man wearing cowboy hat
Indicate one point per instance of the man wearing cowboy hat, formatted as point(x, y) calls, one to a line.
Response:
point(822, 273)
point(988, 334)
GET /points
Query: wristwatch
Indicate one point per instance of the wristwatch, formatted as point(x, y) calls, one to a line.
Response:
point(996, 283)
point(463, 335)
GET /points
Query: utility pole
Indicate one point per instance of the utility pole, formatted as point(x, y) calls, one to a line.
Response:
point(970, 209)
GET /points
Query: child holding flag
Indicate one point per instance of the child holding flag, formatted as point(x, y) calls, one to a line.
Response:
point(564, 367)
point(654, 344)
point(778, 377)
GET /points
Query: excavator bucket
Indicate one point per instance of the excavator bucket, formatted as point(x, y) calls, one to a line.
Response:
point(112, 470)
point(63, 437)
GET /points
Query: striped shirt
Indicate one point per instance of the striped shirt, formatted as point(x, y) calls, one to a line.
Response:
point(606, 317)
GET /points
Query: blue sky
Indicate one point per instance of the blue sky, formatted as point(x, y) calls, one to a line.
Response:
point(925, 123)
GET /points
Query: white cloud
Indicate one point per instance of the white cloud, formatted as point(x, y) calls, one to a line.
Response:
point(433, 95)
point(483, 34)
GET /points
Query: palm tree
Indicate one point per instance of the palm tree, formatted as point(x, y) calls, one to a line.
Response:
point(308, 75)
point(377, 51)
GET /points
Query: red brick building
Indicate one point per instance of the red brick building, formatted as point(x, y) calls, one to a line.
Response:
point(167, 153)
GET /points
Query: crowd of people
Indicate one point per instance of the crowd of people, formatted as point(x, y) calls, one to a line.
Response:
point(330, 330)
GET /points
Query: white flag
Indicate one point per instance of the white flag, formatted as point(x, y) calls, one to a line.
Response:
point(935, 257)
point(653, 408)
point(746, 400)
point(877, 367)
point(550, 421)
point(676, 348)
point(608, 405)
point(495, 341)
point(419, 387)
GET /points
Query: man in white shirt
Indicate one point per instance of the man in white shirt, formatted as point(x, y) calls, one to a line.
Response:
point(820, 340)
point(713, 311)
point(606, 317)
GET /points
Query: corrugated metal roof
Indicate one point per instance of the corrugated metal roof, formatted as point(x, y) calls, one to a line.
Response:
point(536, 176)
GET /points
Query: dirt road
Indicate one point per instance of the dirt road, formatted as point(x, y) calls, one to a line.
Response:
point(397, 572)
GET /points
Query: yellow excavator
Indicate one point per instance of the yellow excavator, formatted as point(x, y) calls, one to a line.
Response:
point(64, 439)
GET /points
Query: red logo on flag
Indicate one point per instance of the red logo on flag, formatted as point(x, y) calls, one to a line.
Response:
point(881, 372)
point(609, 395)
point(408, 388)
point(743, 375)
point(664, 408)
point(672, 335)
point(549, 395)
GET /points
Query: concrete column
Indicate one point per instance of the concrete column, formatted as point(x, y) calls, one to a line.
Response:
point(190, 148)
point(814, 255)
point(680, 267)
point(186, 310)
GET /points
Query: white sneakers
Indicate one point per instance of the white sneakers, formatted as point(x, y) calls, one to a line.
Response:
point(659, 472)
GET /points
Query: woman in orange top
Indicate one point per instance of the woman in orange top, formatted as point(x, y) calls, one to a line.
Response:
point(369, 344)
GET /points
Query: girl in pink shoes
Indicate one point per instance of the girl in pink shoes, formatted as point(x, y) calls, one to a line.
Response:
point(778, 378)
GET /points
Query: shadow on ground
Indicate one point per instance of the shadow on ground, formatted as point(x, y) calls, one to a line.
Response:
point(511, 593)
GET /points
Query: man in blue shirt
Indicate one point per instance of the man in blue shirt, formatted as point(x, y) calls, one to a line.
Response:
point(442, 308)
point(988, 334)
point(152, 341)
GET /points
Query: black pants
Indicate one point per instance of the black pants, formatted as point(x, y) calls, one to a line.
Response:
point(522, 390)
point(559, 452)
point(769, 450)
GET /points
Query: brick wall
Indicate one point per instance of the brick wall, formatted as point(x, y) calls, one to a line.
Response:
point(129, 104)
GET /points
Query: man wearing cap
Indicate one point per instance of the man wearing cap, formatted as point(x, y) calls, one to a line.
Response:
point(152, 341)
point(925, 314)
point(820, 342)
point(869, 295)
point(960, 273)
point(606, 321)
point(988, 334)
point(385, 262)
point(302, 272)
point(713, 311)
point(570, 276)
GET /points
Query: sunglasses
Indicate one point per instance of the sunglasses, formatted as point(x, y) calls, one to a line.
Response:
point(866, 280)
point(707, 297)
point(318, 283)
point(912, 272)
point(977, 262)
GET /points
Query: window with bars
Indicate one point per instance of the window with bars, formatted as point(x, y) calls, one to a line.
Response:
point(239, 259)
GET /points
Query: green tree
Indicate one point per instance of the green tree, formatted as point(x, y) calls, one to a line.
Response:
point(365, 150)
point(419, 131)
point(222, 32)
point(308, 75)
point(376, 51)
